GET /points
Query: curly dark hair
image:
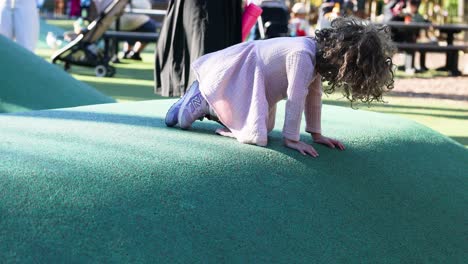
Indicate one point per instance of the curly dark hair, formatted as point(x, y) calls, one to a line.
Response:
point(355, 56)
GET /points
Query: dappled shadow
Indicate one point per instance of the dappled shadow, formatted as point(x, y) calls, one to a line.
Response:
point(142, 74)
point(461, 140)
point(431, 74)
point(425, 75)
point(461, 117)
point(134, 120)
point(133, 73)
point(205, 127)
point(126, 91)
point(199, 127)
point(386, 105)
point(430, 95)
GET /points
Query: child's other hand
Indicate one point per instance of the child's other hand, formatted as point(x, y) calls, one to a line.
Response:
point(330, 142)
point(302, 147)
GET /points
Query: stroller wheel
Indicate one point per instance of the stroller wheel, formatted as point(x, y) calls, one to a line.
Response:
point(100, 71)
point(110, 71)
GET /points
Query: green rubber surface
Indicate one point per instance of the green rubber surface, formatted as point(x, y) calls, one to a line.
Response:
point(110, 183)
point(28, 82)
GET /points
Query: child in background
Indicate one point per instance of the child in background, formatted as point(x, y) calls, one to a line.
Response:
point(415, 16)
point(299, 26)
point(241, 85)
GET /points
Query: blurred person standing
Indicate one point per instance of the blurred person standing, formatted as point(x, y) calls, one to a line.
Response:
point(191, 29)
point(299, 26)
point(19, 21)
point(413, 13)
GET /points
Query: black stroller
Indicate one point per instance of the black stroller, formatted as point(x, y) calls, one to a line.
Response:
point(275, 20)
point(83, 50)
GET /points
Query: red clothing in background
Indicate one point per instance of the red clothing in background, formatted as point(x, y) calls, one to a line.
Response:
point(75, 8)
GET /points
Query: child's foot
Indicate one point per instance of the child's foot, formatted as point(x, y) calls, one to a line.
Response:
point(173, 113)
point(126, 54)
point(132, 55)
point(193, 107)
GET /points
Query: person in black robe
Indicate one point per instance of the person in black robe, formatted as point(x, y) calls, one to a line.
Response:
point(191, 29)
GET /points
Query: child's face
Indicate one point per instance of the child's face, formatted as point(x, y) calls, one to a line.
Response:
point(301, 16)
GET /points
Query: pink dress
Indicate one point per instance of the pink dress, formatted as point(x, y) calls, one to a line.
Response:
point(243, 84)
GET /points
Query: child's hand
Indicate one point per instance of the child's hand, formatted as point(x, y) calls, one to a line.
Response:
point(300, 146)
point(330, 142)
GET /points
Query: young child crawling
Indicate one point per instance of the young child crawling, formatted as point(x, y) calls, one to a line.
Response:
point(241, 85)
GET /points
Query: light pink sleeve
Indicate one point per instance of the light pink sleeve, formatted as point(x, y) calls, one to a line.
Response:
point(313, 106)
point(299, 70)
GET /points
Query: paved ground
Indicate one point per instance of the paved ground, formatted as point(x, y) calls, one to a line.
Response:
point(442, 87)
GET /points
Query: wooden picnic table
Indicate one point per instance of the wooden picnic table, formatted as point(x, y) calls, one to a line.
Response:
point(451, 49)
point(449, 29)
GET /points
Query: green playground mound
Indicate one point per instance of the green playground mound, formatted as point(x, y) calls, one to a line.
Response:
point(111, 183)
point(28, 82)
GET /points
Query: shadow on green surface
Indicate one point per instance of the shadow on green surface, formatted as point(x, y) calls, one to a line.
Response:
point(124, 73)
point(126, 90)
point(386, 105)
point(461, 117)
point(146, 75)
point(391, 109)
point(205, 127)
point(461, 140)
point(133, 120)
point(429, 95)
point(431, 73)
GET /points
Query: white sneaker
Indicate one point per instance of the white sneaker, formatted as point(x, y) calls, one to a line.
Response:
point(193, 107)
point(410, 71)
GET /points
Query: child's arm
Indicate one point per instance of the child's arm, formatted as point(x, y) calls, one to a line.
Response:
point(313, 106)
point(313, 115)
point(299, 69)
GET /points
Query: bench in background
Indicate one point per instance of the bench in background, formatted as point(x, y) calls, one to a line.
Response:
point(451, 51)
point(447, 31)
point(112, 38)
